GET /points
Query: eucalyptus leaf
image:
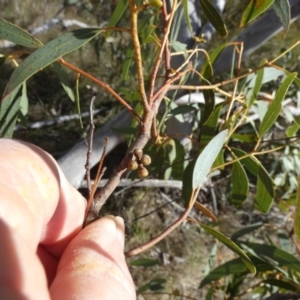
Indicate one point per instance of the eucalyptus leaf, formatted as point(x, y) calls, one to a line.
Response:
point(254, 9)
point(283, 11)
point(246, 230)
point(276, 106)
point(240, 185)
point(18, 35)
point(264, 191)
point(9, 113)
point(64, 80)
point(144, 262)
point(214, 17)
point(231, 245)
point(297, 214)
point(49, 53)
point(273, 255)
point(207, 157)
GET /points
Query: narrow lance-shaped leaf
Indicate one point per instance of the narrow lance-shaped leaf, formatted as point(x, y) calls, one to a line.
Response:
point(264, 191)
point(257, 85)
point(118, 13)
point(232, 267)
point(283, 11)
point(207, 158)
point(276, 106)
point(240, 185)
point(64, 80)
point(246, 230)
point(46, 55)
point(270, 254)
point(9, 113)
point(39, 59)
point(209, 129)
point(186, 14)
point(209, 97)
point(214, 17)
point(231, 245)
point(207, 66)
point(254, 9)
point(18, 35)
point(264, 188)
point(297, 215)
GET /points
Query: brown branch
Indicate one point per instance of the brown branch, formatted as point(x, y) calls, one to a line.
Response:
point(163, 49)
point(137, 53)
point(103, 85)
point(90, 147)
point(99, 175)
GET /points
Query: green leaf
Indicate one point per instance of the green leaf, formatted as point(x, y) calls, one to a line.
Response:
point(186, 15)
point(170, 155)
point(283, 11)
point(118, 13)
point(207, 158)
point(235, 266)
point(64, 80)
point(127, 63)
point(144, 262)
point(214, 17)
point(153, 285)
point(18, 35)
point(264, 191)
point(276, 106)
point(209, 129)
point(288, 285)
point(297, 214)
point(46, 55)
point(209, 97)
point(181, 109)
point(246, 230)
point(178, 164)
point(254, 9)
point(240, 185)
point(248, 138)
point(257, 85)
point(9, 114)
point(273, 255)
point(231, 245)
point(250, 162)
point(206, 69)
point(187, 181)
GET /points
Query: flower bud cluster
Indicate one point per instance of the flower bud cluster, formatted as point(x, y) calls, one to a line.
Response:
point(138, 162)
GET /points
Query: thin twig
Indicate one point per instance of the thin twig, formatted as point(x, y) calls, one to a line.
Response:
point(163, 49)
point(90, 147)
point(137, 53)
point(103, 85)
point(90, 209)
point(167, 231)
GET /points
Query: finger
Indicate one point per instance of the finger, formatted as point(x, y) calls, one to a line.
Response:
point(21, 272)
point(93, 265)
point(36, 201)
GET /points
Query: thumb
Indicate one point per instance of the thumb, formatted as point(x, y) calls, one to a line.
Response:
point(93, 265)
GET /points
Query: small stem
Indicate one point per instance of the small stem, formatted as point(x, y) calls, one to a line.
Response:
point(167, 231)
point(164, 48)
point(103, 85)
point(90, 147)
point(137, 53)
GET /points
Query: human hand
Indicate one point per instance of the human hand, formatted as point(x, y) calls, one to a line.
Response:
point(44, 254)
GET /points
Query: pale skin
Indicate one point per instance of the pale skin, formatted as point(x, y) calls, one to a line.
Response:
point(44, 253)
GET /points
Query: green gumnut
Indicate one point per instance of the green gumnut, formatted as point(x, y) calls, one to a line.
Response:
point(155, 3)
